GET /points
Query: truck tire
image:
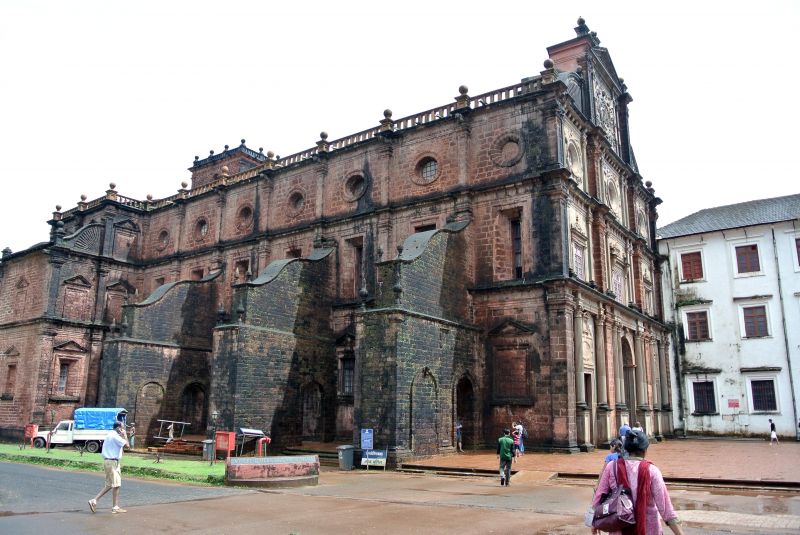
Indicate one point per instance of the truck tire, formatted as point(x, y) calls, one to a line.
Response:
point(39, 442)
point(92, 446)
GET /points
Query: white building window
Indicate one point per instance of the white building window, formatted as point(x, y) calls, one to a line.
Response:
point(691, 265)
point(697, 325)
point(704, 399)
point(747, 260)
point(754, 320)
point(762, 391)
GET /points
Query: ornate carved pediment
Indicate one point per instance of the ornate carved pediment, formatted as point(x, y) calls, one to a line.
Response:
point(347, 338)
point(127, 224)
point(122, 286)
point(78, 280)
point(11, 352)
point(512, 328)
point(70, 347)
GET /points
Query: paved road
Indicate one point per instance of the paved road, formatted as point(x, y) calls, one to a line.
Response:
point(356, 503)
point(28, 489)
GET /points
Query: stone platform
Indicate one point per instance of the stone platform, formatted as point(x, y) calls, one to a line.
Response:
point(273, 472)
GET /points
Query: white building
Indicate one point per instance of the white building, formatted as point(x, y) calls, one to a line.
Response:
point(732, 289)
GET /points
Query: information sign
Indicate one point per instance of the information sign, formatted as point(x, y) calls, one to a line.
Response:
point(733, 403)
point(374, 458)
point(366, 439)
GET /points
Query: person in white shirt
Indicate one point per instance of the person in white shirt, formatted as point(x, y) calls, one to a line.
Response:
point(112, 453)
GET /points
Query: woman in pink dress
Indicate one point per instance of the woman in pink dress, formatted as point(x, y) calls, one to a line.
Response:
point(650, 496)
point(515, 434)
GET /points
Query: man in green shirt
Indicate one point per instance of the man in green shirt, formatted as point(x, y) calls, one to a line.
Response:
point(505, 451)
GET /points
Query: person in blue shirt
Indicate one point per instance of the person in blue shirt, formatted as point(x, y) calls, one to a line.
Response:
point(112, 453)
point(624, 430)
point(615, 448)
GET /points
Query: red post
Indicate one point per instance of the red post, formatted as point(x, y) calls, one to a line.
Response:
point(261, 446)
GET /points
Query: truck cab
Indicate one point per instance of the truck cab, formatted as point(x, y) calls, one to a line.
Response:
point(87, 430)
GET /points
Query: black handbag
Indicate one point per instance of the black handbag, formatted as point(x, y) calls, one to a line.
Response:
point(615, 512)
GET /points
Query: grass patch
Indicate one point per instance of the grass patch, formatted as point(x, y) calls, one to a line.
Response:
point(133, 464)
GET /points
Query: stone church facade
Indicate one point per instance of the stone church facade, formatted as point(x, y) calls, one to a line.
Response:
point(488, 260)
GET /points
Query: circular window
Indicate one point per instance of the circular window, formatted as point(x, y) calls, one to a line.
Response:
point(506, 151)
point(201, 228)
point(162, 240)
point(244, 218)
point(427, 170)
point(296, 202)
point(354, 187)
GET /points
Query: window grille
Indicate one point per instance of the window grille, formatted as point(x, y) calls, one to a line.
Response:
point(516, 245)
point(764, 395)
point(704, 401)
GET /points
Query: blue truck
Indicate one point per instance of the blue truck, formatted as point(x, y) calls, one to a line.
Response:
point(87, 430)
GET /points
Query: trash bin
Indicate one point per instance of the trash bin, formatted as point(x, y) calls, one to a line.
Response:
point(345, 457)
point(208, 450)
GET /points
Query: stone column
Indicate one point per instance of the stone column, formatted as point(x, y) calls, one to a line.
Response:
point(600, 361)
point(561, 307)
point(662, 372)
point(619, 382)
point(577, 320)
point(638, 352)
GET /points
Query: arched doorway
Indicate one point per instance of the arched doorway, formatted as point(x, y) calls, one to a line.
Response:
point(147, 411)
point(312, 411)
point(193, 408)
point(424, 415)
point(465, 411)
point(629, 378)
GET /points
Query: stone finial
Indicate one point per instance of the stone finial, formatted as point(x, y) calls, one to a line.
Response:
point(197, 158)
point(322, 144)
point(6, 252)
point(581, 28)
point(462, 100)
point(261, 149)
point(387, 124)
point(548, 63)
point(58, 208)
point(149, 197)
point(270, 154)
point(648, 184)
point(83, 197)
point(226, 147)
point(211, 152)
point(112, 186)
point(242, 140)
point(184, 185)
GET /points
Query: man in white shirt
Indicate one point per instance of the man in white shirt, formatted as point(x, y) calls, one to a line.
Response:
point(112, 453)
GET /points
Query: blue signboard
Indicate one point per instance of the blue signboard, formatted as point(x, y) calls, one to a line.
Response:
point(366, 439)
point(374, 458)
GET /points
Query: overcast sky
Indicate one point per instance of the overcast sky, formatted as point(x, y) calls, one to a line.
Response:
point(94, 92)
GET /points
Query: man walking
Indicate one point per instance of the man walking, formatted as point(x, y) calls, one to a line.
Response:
point(505, 452)
point(773, 433)
point(112, 453)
